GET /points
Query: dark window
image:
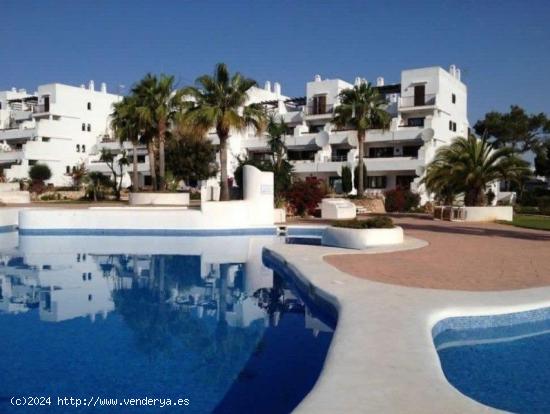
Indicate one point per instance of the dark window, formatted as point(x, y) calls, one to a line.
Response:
point(89, 127)
point(336, 184)
point(319, 105)
point(90, 298)
point(415, 122)
point(74, 169)
point(411, 150)
point(289, 130)
point(46, 104)
point(404, 181)
point(32, 162)
point(89, 106)
point(68, 169)
point(454, 126)
point(141, 158)
point(83, 127)
point(301, 155)
point(77, 147)
point(380, 152)
point(315, 128)
point(83, 148)
point(419, 95)
point(450, 125)
point(453, 98)
point(47, 267)
point(147, 180)
point(376, 181)
point(45, 139)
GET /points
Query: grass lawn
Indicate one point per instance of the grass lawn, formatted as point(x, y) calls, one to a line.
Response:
point(530, 221)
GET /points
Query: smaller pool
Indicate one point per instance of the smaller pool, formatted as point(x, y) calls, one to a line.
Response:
point(502, 361)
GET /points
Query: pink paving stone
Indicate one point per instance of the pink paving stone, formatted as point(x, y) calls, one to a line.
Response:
point(460, 256)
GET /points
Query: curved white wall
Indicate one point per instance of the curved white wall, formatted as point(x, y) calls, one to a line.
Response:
point(505, 213)
point(8, 217)
point(361, 238)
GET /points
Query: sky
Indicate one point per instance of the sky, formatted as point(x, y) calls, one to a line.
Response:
point(502, 47)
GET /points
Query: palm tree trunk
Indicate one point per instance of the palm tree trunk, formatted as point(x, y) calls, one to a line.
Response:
point(152, 168)
point(162, 166)
point(224, 193)
point(135, 178)
point(360, 181)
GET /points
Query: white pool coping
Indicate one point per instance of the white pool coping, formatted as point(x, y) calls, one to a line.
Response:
point(382, 358)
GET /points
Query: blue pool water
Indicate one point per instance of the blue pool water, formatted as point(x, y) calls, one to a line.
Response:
point(203, 319)
point(500, 361)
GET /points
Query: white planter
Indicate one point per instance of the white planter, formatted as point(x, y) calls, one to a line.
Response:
point(279, 215)
point(361, 238)
point(166, 199)
point(15, 197)
point(338, 209)
point(505, 213)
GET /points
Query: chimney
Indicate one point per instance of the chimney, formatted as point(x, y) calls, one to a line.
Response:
point(380, 81)
point(452, 70)
point(14, 89)
point(277, 88)
point(267, 86)
point(82, 86)
point(457, 73)
point(103, 87)
point(91, 85)
point(317, 78)
point(357, 81)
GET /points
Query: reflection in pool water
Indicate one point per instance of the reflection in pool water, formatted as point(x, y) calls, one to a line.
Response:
point(501, 361)
point(122, 317)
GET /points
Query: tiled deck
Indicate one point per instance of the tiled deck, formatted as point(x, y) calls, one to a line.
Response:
point(460, 256)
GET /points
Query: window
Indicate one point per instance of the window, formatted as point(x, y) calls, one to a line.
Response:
point(89, 106)
point(411, 150)
point(77, 147)
point(453, 98)
point(450, 125)
point(415, 122)
point(32, 162)
point(89, 127)
point(376, 181)
point(380, 152)
point(141, 158)
point(301, 155)
point(315, 128)
point(45, 139)
point(74, 169)
point(319, 105)
point(404, 181)
point(90, 298)
point(46, 267)
point(67, 169)
point(83, 148)
point(83, 127)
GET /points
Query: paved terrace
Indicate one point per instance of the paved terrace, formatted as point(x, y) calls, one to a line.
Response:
point(460, 256)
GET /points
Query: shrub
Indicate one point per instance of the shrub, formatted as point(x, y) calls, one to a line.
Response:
point(401, 200)
point(305, 196)
point(346, 180)
point(378, 222)
point(544, 205)
point(526, 209)
point(40, 172)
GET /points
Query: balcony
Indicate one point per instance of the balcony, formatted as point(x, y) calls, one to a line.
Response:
point(41, 109)
point(17, 133)
point(392, 164)
point(10, 157)
point(319, 110)
point(327, 165)
point(417, 102)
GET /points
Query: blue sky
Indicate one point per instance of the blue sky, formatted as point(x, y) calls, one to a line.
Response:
point(502, 47)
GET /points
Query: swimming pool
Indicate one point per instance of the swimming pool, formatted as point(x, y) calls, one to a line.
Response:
point(201, 319)
point(501, 361)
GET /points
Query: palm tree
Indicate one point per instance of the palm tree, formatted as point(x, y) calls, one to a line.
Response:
point(159, 104)
point(220, 102)
point(468, 166)
point(127, 127)
point(276, 131)
point(361, 108)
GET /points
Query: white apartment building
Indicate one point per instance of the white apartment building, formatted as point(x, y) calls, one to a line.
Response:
point(428, 108)
point(63, 125)
point(57, 125)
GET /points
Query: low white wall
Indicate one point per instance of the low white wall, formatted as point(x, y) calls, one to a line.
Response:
point(256, 210)
point(505, 213)
point(167, 199)
point(361, 238)
point(9, 217)
point(15, 197)
point(9, 187)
